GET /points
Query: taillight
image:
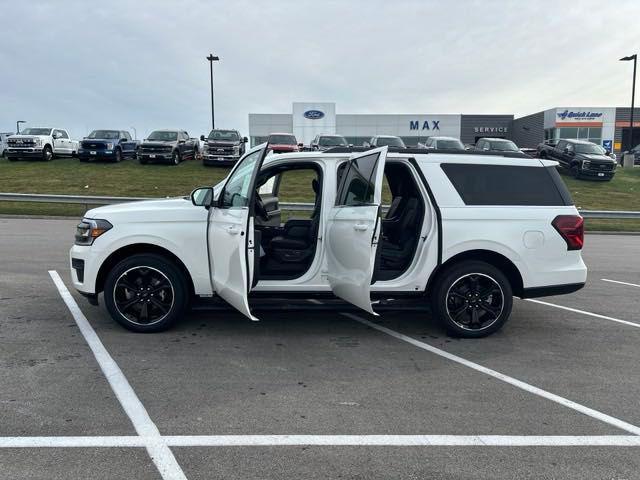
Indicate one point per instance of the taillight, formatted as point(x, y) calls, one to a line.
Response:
point(571, 228)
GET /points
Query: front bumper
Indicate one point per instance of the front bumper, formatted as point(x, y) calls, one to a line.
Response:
point(24, 152)
point(84, 262)
point(154, 157)
point(214, 159)
point(597, 174)
point(95, 154)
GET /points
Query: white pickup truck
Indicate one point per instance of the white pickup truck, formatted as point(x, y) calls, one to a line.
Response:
point(41, 143)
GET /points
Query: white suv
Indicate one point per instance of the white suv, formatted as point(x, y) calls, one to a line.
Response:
point(466, 232)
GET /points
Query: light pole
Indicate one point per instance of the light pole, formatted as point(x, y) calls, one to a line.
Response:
point(212, 59)
point(633, 57)
point(135, 133)
point(18, 125)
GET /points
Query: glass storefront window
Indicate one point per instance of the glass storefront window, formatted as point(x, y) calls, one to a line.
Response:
point(568, 132)
point(583, 133)
point(595, 132)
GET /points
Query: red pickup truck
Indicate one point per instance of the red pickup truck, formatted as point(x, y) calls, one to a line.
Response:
point(283, 142)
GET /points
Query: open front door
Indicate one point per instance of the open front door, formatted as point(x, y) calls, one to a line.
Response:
point(230, 237)
point(353, 228)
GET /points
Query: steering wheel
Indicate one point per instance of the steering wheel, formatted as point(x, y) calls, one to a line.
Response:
point(259, 208)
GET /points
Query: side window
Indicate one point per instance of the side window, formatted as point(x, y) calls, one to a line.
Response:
point(267, 187)
point(236, 191)
point(570, 146)
point(64, 134)
point(507, 185)
point(561, 144)
point(356, 183)
point(126, 135)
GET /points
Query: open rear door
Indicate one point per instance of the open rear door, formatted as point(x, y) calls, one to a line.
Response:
point(230, 237)
point(353, 228)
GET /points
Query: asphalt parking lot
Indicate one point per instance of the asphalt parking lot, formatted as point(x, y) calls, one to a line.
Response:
point(311, 392)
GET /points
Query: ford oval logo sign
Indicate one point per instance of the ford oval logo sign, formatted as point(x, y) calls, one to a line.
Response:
point(313, 114)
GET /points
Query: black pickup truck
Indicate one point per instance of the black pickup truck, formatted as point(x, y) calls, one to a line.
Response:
point(583, 159)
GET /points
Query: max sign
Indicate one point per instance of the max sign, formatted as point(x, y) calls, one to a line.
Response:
point(415, 125)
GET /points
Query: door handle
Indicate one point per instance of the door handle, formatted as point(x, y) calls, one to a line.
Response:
point(360, 227)
point(233, 230)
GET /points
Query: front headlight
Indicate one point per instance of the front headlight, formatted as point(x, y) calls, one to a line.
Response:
point(236, 149)
point(89, 229)
point(586, 165)
point(38, 142)
point(109, 146)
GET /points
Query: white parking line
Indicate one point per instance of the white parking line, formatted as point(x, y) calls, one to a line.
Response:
point(583, 312)
point(160, 453)
point(328, 440)
point(603, 417)
point(621, 283)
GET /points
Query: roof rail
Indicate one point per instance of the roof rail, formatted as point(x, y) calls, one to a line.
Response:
point(426, 151)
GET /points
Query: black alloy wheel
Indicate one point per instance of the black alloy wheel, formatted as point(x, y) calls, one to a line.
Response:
point(472, 299)
point(146, 293)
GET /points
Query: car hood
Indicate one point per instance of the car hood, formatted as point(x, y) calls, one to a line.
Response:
point(220, 143)
point(593, 156)
point(25, 137)
point(176, 209)
point(159, 143)
point(283, 146)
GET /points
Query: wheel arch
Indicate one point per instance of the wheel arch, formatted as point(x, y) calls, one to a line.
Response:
point(504, 264)
point(140, 248)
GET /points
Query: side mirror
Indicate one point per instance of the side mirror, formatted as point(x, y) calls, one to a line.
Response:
point(245, 139)
point(202, 138)
point(350, 145)
point(300, 145)
point(181, 141)
point(566, 150)
point(202, 197)
point(57, 135)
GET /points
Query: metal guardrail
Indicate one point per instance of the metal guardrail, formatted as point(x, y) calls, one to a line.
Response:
point(104, 200)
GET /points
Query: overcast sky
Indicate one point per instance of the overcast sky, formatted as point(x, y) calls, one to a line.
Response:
point(85, 65)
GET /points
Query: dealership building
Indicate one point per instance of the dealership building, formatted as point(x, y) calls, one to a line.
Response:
point(608, 127)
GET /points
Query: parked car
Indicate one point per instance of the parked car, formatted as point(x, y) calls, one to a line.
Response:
point(385, 140)
point(168, 146)
point(635, 151)
point(41, 143)
point(222, 147)
point(583, 159)
point(496, 145)
point(283, 142)
point(441, 241)
point(111, 145)
point(3, 142)
point(325, 141)
point(444, 143)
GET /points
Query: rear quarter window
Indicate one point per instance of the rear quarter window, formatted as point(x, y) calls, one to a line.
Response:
point(507, 185)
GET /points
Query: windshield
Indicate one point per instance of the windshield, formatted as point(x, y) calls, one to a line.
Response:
point(449, 144)
point(390, 141)
point(36, 131)
point(505, 146)
point(105, 134)
point(332, 141)
point(163, 136)
point(224, 135)
point(282, 139)
point(589, 148)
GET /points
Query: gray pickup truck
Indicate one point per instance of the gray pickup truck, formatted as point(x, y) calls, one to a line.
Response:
point(168, 146)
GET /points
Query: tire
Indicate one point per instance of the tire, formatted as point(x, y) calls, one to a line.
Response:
point(575, 172)
point(472, 299)
point(47, 153)
point(118, 157)
point(141, 161)
point(175, 158)
point(146, 284)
